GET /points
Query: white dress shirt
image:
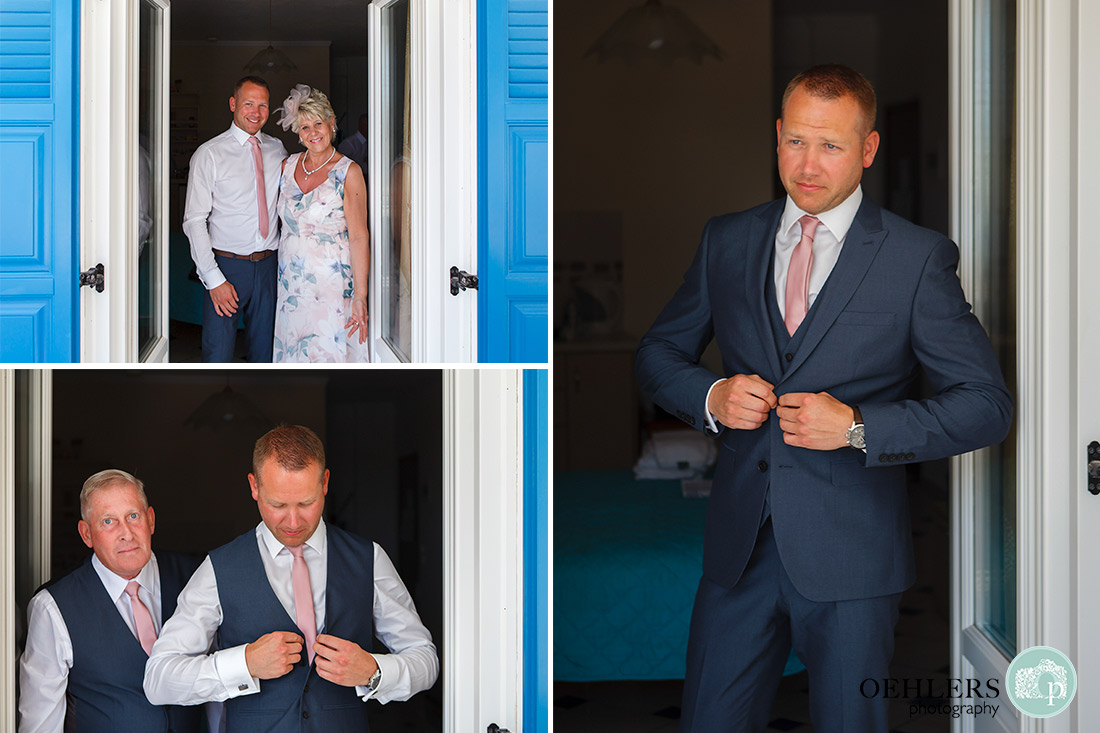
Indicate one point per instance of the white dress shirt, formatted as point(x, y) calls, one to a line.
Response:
point(48, 657)
point(828, 242)
point(221, 210)
point(181, 672)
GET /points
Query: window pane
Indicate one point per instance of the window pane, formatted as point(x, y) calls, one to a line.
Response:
point(395, 231)
point(995, 304)
point(150, 247)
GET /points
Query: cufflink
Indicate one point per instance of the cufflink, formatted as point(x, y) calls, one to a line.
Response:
point(242, 688)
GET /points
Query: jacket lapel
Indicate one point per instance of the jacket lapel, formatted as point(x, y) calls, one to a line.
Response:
point(761, 251)
point(864, 239)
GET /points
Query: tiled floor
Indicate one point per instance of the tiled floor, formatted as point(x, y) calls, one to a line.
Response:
point(922, 651)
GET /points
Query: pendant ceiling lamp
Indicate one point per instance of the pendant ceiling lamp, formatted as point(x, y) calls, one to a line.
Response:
point(231, 411)
point(270, 59)
point(657, 32)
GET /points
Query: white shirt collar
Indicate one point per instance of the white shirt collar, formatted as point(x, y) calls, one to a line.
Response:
point(116, 584)
point(274, 547)
point(242, 137)
point(838, 220)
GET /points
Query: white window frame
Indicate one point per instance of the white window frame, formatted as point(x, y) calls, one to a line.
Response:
point(109, 58)
point(1047, 456)
point(443, 90)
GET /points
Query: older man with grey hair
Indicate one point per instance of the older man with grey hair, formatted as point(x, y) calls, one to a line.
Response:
point(90, 632)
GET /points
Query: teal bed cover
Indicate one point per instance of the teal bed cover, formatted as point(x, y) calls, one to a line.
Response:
point(628, 557)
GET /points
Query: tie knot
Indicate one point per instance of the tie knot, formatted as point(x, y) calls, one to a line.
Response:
point(296, 551)
point(253, 141)
point(809, 225)
point(132, 588)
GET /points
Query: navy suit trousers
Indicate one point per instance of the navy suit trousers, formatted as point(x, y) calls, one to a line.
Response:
point(256, 285)
point(741, 636)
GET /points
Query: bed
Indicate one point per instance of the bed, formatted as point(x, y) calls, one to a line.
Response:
point(627, 561)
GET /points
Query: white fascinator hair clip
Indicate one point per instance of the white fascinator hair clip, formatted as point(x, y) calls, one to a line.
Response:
point(289, 110)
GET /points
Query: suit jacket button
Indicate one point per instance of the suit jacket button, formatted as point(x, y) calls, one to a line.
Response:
point(789, 357)
point(883, 458)
point(909, 456)
point(305, 714)
point(763, 466)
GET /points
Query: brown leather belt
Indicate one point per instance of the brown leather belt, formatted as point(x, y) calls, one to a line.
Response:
point(254, 257)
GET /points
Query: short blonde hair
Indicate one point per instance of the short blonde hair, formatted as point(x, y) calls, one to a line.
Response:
point(107, 478)
point(317, 106)
point(305, 101)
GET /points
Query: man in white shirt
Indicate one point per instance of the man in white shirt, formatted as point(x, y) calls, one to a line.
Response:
point(90, 632)
point(294, 603)
point(231, 220)
point(355, 147)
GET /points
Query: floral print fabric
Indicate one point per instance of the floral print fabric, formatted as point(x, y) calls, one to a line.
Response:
point(315, 285)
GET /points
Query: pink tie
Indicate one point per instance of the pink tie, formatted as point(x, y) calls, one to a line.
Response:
point(146, 633)
point(798, 275)
point(261, 192)
point(303, 599)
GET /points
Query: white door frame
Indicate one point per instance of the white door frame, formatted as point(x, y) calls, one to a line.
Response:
point(7, 550)
point(1049, 460)
point(483, 549)
point(109, 59)
point(443, 91)
point(483, 475)
point(1082, 402)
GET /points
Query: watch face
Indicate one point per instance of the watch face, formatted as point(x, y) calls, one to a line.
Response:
point(856, 437)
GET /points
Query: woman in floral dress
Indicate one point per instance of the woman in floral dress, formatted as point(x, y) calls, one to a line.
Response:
point(324, 258)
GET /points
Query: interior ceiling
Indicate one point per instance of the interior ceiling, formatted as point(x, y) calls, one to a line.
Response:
point(341, 22)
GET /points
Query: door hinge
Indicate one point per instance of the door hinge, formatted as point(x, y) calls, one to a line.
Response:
point(460, 280)
point(93, 278)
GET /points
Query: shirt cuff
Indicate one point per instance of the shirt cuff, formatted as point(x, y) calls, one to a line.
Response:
point(389, 671)
point(712, 426)
point(233, 672)
point(212, 278)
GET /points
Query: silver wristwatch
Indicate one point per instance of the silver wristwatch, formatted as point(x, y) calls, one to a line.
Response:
point(856, 438)
point(375, 678)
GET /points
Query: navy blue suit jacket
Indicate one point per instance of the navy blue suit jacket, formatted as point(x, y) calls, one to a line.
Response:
point(892, 307)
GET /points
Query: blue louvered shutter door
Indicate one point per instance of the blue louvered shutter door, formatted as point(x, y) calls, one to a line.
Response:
point(38, 181)
point(513, 188)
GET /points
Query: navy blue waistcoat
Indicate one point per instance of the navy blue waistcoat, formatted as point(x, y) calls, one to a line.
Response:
point(300, 700)
point(105, 683)
point(786, 343)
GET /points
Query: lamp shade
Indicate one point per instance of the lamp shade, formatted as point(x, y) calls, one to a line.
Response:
point(269, 60)
point(657, 32)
